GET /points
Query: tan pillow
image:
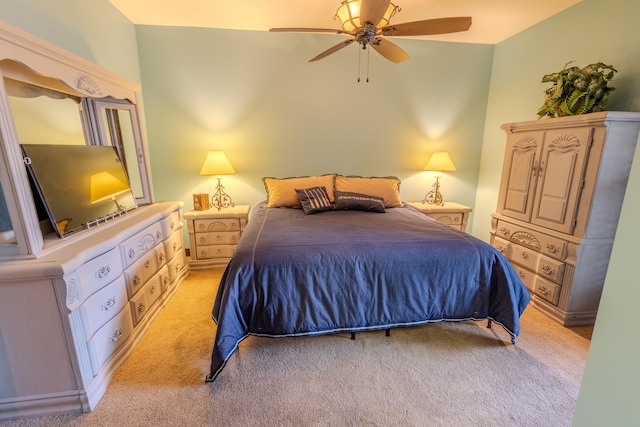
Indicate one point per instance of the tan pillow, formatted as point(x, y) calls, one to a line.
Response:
point(281, 192)
point(387, 187)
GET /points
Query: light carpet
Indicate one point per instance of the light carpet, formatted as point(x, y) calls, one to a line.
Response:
point(444, 374)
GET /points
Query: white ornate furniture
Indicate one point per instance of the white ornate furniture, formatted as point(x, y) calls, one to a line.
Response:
point(79, 309)
point(73, 309)
point(563, 182)
point(450, 213)
point(214, 235)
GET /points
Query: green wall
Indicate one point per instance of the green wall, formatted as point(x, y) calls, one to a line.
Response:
point(591, 31)
point(256, 96)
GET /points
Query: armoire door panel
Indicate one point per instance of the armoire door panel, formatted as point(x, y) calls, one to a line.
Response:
point(561, 173)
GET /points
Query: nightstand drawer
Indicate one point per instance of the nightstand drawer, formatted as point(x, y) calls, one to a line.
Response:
point(216, 251)
point(450, 218)
point(218, 224)
point(218, 238)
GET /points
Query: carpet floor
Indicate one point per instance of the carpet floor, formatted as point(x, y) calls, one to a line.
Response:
point(444, 374)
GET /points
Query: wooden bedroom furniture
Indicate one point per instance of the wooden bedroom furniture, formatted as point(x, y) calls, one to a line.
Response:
point(80, 308)
point(562, 187)
point(214, 235)
point(452, 214)
point(73, 309)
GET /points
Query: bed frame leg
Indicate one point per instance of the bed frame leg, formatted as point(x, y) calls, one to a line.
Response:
point(489, 324)
point(353, 335)
point(387, 332)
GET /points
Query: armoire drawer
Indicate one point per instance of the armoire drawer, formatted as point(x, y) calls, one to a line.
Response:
point(109, 338)
point(218, 238)
point(216, 251)
point(217, 224)
point(547, 290)
point(103, 306)
point(541, 265)
point(540, 242)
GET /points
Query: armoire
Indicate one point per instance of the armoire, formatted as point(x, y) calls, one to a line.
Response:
point(561, 192)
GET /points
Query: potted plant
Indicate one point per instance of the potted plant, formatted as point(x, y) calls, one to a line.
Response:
point(577, 90)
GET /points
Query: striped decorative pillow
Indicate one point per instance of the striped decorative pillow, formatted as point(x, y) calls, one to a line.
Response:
point(314, 200)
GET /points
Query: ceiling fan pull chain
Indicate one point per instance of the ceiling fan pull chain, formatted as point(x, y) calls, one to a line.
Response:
point(359, 61)
point(368, 60)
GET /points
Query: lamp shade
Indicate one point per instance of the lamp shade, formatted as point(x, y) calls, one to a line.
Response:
point(105, 186)
point(216, 163)
point(440, 162)
point(349, 14)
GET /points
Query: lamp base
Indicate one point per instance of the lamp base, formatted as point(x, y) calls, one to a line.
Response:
point(220, 199)
point(434, 197)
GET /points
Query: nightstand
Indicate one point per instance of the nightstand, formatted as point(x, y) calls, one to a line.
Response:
point(452, 214)
point(214, 235)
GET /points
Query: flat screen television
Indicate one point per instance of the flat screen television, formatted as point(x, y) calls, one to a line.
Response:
point(79, 186)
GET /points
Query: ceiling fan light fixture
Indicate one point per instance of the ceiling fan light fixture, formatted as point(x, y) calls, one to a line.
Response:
point(349, 14)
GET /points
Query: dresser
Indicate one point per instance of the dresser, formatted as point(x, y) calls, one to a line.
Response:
point(562, 186)
point(214, 235)
point(72, 315)
point(452, 214)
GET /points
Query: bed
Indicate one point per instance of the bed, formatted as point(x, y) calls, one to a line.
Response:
point(356, 268)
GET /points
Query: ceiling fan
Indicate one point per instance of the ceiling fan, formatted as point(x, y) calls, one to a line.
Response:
point(367, 21)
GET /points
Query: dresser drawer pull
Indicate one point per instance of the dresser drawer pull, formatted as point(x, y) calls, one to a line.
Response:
point(103, 272)
point(152, 290)
point(158, 235)
point(218, 237)
point(132, 253)
point(147, 264)
point(524, 255)
point(161, 257)
point(203, 240)
point(136, 280)
point(543, 290)
point(141, 307)
point(521, 273)
point(116, 335)
point(172, 225)
point(175, 246)
point(109, 304)
point(501, 249)
point(548, 269)
point(552, 248)
point(505, 231)
point(167, 280)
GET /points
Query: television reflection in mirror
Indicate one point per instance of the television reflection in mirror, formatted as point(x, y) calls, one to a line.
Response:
point(79, 186)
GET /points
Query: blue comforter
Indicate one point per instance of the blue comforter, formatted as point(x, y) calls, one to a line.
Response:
point(296, 274)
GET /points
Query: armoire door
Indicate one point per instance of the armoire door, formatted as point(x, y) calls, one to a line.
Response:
point(560, 178)
point(519, 174)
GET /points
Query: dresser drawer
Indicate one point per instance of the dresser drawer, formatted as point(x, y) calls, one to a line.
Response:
point(109, 338)
point(176, 264)
point(173, 244)
point(171, 224)
point(539, 242)
point(450, 218)
point(138, 274)
point(528, 277)
point(99, 272)
point(103, 306)
point(136, 246)
point(216, 251)
point(547, 290)
point(221, 224)
point(144, 300)
point(218, 238)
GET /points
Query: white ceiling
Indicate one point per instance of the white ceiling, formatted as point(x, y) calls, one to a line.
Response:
point(493, 20)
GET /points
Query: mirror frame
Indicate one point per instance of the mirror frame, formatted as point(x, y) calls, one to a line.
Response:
point(41, 58)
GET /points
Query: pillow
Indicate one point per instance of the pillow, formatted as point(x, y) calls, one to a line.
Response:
point(358, 202)
point(314, 200)
point(281, 192)
point(386, 187)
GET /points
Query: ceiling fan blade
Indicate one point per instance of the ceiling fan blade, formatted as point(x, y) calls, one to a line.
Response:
point(308, 30)
point(428, 27)
point(334, 49)
point(372, 11)
point(390, 50)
